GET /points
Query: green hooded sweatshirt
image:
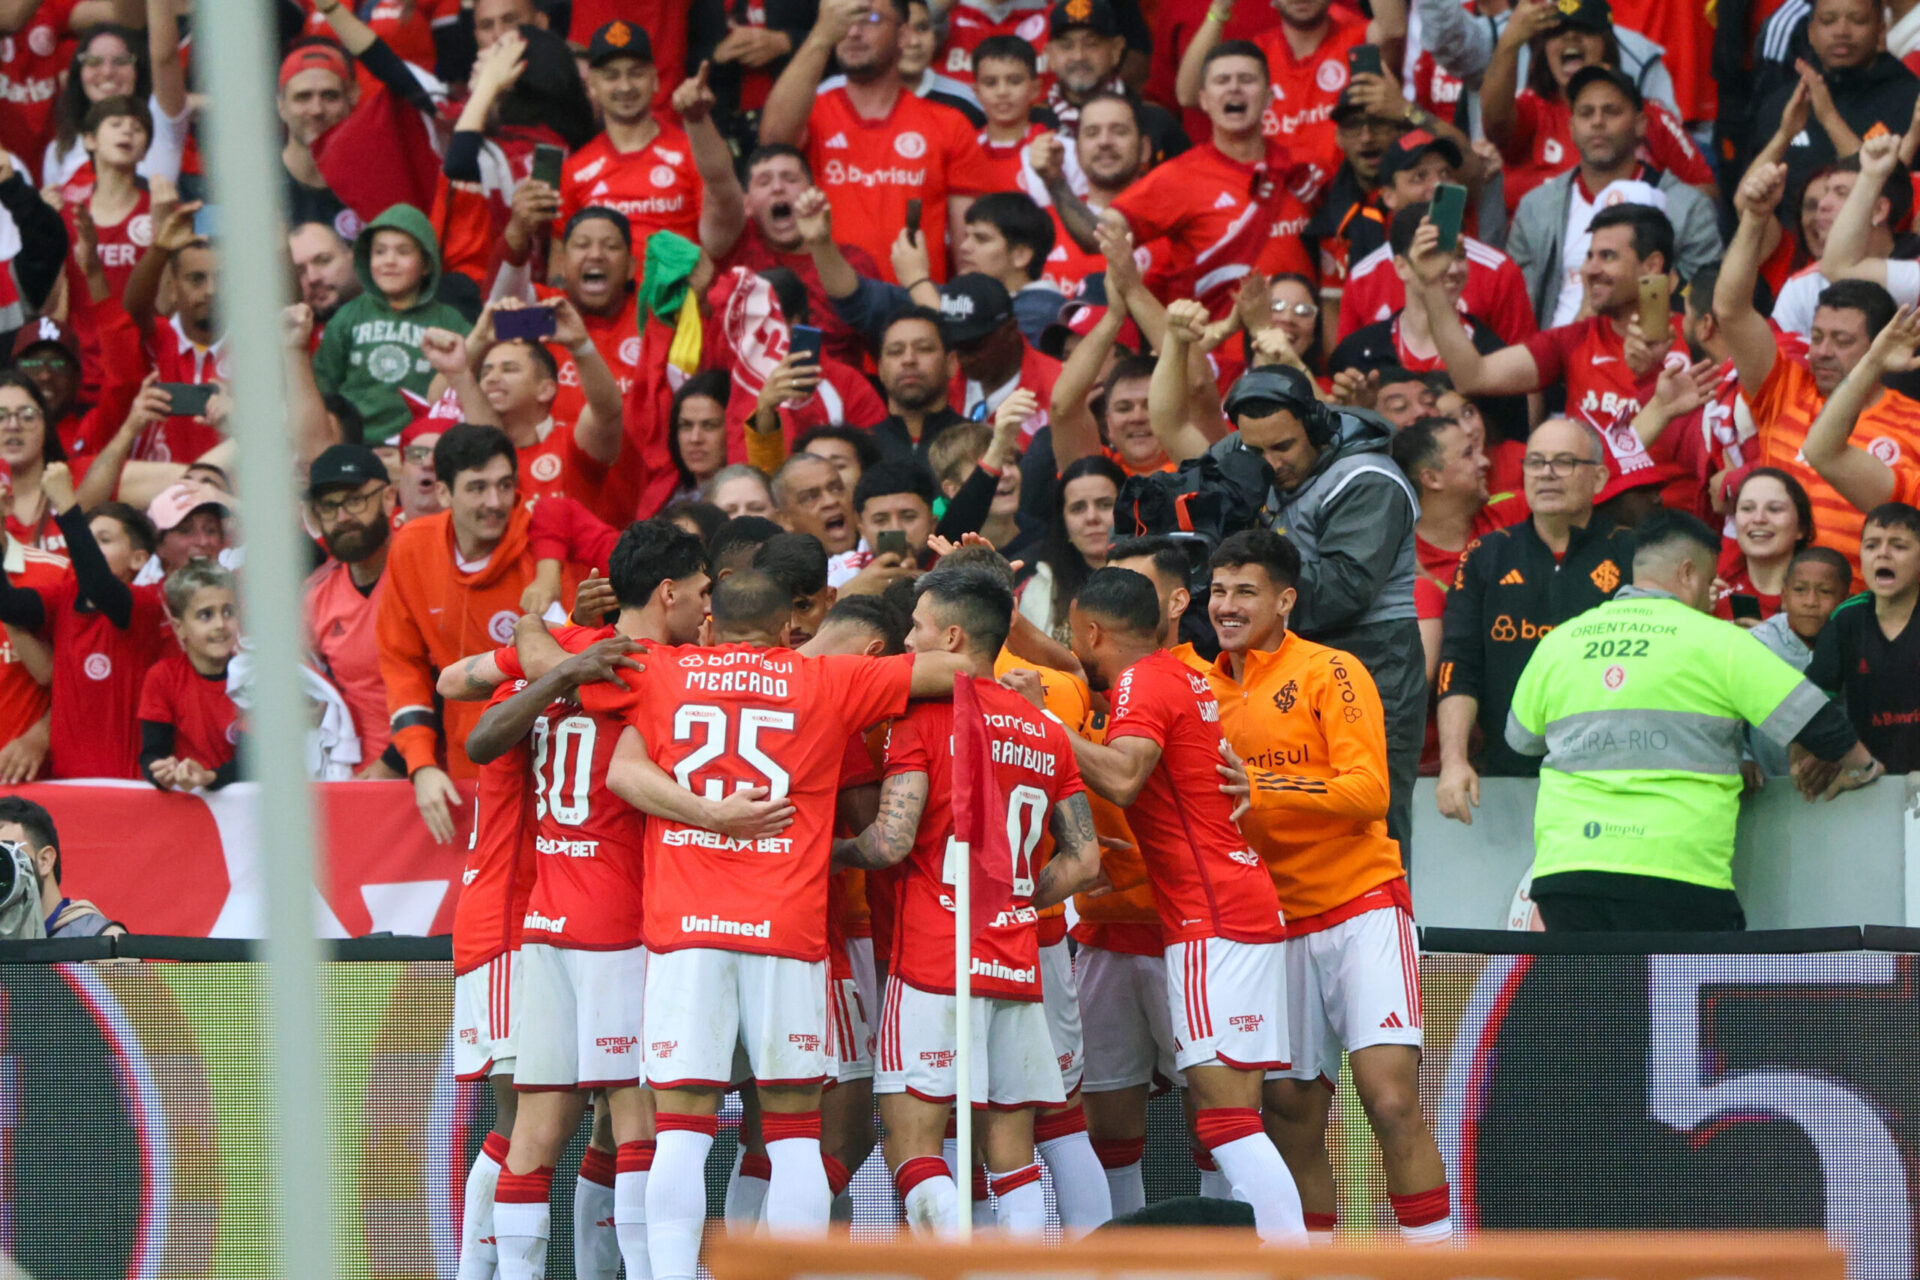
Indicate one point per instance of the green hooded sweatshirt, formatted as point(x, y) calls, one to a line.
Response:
point(370, 352)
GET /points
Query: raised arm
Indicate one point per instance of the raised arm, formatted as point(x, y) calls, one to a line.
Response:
point(1186, 81)
point(510, 722)
point(889, 838)
point(1116, 770)
point(1845, 255)
point(790, 102)
point(1500, 91)
point(723, 208)
point(143, 284)
point(1509, 371)
point(1075, 433)
point(1169, 403)
point(1748, 335)
point(597, 431)
point(813, 217)
point(163, 56)
point(112, 597)
point(1861, 478)
point(1048, 157)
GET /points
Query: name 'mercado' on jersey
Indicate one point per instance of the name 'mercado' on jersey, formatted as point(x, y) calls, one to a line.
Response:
point(1206, 882)
point(587, 841)
point(736, 716)
point(1034, 769)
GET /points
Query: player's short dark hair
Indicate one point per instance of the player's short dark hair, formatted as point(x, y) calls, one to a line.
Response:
point(1826, 556)
point(1272, 552)
point(1235, 49)
point(790, 293)
point(119, 105)
point(974, 599)
point(1667, 530)
point(138, 528)
point(467, 446)
point(1168, 556)
point(1416, 446)
point(796, 561)
point(1121, 596)
point(864, 449)
point(978, 559)
point(774, 150)
point(895, 475)
point(649, 553)
point(876, 615)
point(1869, 299)
point(1007, 49)
point(748, 600)
point(1652, 230)
point(36, 823)
point(549, 367)
point(1893, 515)
point(705, 516)
point(1020, 221)
point(905, 314)
point(738, 541)
point(194, 576)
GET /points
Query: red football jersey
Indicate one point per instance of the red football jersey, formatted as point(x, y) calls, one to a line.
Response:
point(557, 466)
point(33, 65)
point(1496, 292)
point(586, 890)
point(120, 247)
point(500, 864)
point(206, 724)
point(23, 700)
point(1542, 146)
point(1034, 768)
point(657, 187)
point(1304, 93)
point(178, 358)
point(969, 24)
point(738, 716)
point(1006, 161)
point(1206, 882)
point(1592, 360)
point(1218, 213)
point(753, 252)
point(870, 168)
point(97, 670)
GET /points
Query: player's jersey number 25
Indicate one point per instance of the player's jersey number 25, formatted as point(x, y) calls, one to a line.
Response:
point(733, 733)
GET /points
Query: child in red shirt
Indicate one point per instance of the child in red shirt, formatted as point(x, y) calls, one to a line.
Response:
point(189, 727)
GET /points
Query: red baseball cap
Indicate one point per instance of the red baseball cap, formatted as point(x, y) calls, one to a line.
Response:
point(46, 329)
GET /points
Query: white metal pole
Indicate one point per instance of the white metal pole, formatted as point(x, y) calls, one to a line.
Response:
point(963, 1034)
point(238, 60)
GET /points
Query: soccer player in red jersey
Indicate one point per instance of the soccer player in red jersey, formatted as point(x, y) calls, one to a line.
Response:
point(1218, 910)
point(967, 611)
point(1218, 203)
point(736, 929)
point(871, 143)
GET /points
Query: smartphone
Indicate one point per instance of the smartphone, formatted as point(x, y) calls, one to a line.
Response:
point(206, 223)
point(528, 324)
point(1655, 320)
point(1448, 208)
point(913, 217)
point(1364, 60)
point(890, 542)
point(189, 399)
point(1745, 608)
point(806, 340)
point(547, 160)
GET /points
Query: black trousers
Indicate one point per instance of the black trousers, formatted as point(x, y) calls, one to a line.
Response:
point(1606, 902)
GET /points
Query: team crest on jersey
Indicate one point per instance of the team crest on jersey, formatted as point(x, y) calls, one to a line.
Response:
point(98, 666)
point(347, 225)
point(233, 733)
point(1615, 677)
point(1331, 77)
point(1886, 449)
point(1288, 695)
point(662, 176)
point(1032, 28)
point(389, 362)
point(910, 145)
point(500, 626)
point(1551, 151)
point(140, 230)
point(42, 41)
point(630, 351)
point(545, 468)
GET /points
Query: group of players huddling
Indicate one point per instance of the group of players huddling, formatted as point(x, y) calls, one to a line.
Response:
point(678, 814)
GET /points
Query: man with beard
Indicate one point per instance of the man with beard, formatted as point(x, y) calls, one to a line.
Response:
point(184, 347)
point(916, 367)
point(1112, 149)
point(351, 504)
point(1085, 46)
point(323, 262)
point(317, 92)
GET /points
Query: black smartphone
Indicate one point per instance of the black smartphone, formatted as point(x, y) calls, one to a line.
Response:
point(528, 324)
point(547, 160)
point(807, 341)
point(1364, 60)
point(1449, 207)
point(890, 542)
point(913, 217)
point(1745, 608)
point(189, 399)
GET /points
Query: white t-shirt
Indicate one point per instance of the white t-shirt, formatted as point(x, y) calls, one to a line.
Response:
point(1799, 296)
point(161, 161)
point(1576, 239)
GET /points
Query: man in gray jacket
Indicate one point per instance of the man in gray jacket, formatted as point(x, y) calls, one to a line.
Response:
point(1549, 237)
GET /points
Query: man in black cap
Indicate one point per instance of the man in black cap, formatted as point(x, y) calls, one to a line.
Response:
point(351, 503)
point(1352, 206)
point(995, 360)
point(661, 176)
point(1085, 46)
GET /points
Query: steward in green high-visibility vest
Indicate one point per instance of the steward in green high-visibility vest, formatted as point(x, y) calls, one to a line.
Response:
point(1638, 706)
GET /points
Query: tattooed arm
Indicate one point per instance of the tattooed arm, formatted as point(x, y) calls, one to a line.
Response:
point(1075, 865)
point(471, 679)
point(903, 796)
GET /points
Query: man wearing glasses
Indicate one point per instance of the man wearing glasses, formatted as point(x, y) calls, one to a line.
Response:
point(351, 503)
point(1513, 586)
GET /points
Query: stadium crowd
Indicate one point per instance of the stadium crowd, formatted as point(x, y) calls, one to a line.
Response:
point(734, 373)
